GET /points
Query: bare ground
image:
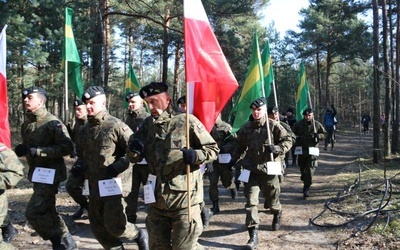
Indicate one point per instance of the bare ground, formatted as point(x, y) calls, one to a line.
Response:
point(227, 230)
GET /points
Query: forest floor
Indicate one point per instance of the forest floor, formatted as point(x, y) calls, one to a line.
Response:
point(338, 169)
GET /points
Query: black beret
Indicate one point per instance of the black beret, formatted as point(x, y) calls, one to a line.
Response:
point(131, 95)
point(181, 100)
point(91, 92)
point(290, 110)
point(258, 103)
point(153, 88)
point(308, 111)
point(33, 90)
point(272, 109)
point(78, 102)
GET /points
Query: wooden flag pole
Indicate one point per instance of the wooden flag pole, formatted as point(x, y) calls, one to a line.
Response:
point(188, 182)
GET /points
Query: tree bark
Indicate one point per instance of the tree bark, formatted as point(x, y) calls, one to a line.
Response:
point(376, 87)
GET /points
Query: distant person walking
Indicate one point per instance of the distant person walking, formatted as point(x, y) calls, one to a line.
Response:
point(329, 123)
point(365, 119)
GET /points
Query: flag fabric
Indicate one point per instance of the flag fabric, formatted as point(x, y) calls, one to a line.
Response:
point(267, 69)
point(211, 81)
point(71, 55)
point(302, 93)
point(253, 88)
point(5, 134)
point(131, 83)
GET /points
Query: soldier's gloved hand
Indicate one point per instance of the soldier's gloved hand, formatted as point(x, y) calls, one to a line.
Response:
point(33, 152)
point(189, 155)
point(136, 146)
point(316, 137)
point(270, 148)
point(21, 150)
point(77, 170)
point(111, 172)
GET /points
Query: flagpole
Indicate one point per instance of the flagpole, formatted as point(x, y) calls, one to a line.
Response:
point(188, 182)
point(275, 96)
point(310, 103)
point(66, 90)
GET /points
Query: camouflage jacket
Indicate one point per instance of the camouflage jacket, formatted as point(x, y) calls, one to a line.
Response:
point(49, 135)
point(78, 127)
point(102, 142)
point(11, 169)
point(252, 139)
point(305, 131)
point(135, 118)
point(221, 133)
point(163, 139)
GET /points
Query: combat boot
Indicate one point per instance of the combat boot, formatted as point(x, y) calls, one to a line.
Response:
point(142, 240)
point(234, 193)
point(276, 222)
point(306, 191)
point(56, 243)
point(9, 232)
point(253, 241)
point(205, 216)
point(68, 242)
point(215, 208)
point(78, 214)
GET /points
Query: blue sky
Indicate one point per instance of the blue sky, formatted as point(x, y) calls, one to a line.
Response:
point(284, 13)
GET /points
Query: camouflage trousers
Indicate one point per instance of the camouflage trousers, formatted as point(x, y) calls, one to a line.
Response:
point(3, 217)
point(109, 223)
point(219, 171)
point(140, 174)
point(41, 212)
point(170, 230)
point(308, 164)
point(271, 190)
point(74, 187)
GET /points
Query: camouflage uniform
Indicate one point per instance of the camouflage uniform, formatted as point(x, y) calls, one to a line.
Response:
point(11, 172)
point(220, 132)
point(308, 163)
point(102, 143)
point(251, 139)
point(284, 156)
point(46, 132)
point(75, 181)
point(140, 172)
point(163, 139)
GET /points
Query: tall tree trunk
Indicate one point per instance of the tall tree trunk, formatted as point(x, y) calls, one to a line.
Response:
point(376, 87)
point(178, 56)
point(107, 41)
point(393, 69)
point(388, 86)
point(328, 71)
point(97, 43)
point(397, 88)
point(165, 47)
point(319, 79)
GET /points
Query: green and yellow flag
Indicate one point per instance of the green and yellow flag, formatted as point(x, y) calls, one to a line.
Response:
point(252, 89)
point(302, 93)
point(71, 55)
point(131, 83)
point(267, 69)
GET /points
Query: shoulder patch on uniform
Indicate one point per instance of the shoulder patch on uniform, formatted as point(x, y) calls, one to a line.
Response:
point(126, 128)
point(3, 148)
point(200, 127)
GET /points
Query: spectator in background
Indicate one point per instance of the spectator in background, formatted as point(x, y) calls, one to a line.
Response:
point(365, 119)
point(329, 123)
point(383, 121)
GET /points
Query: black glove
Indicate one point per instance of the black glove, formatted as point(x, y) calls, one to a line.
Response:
point(332, 106)
point(189, 155)
point(21, 150)
point(33, 152)
point(270, 148)
point(77, 170)
point(111, 172)
point(136, 146)
point(316, 137)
